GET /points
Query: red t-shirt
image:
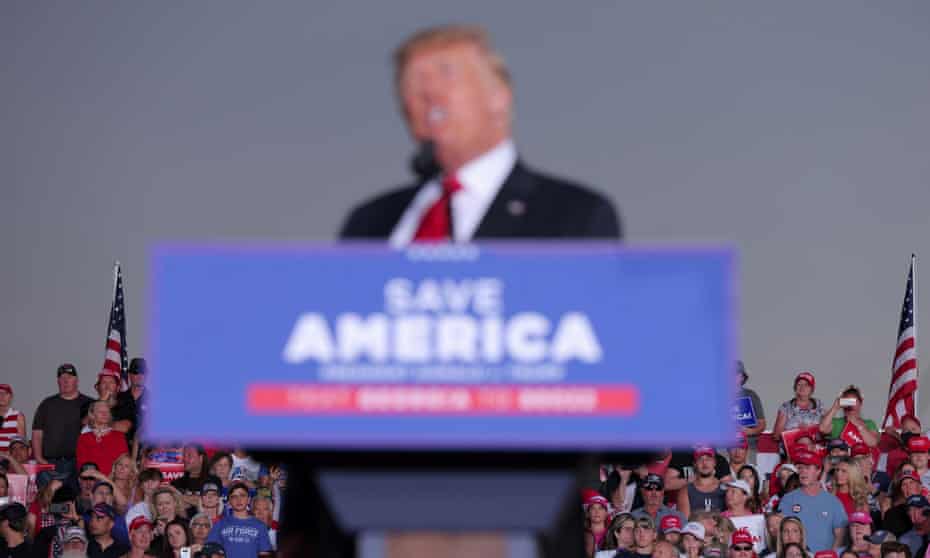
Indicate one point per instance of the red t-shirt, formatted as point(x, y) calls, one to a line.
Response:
point(847, 501)
point(103, 451)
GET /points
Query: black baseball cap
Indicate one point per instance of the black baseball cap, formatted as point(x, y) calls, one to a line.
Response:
point(88, 466)
point(138, 366)
point(67, 368)
point(654, 481)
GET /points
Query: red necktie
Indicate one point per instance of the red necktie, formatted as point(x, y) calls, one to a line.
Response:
point(436, 224)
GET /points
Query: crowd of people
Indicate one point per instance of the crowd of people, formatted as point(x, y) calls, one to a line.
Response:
point(101, 492)
point(840, 489)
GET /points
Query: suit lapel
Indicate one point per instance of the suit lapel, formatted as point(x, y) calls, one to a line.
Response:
point(506, 217)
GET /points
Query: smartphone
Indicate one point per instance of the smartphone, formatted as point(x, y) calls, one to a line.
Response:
point(848, 401)
point(60, 508)
point(185, 552)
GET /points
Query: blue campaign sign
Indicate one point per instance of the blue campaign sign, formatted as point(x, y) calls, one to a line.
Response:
point(744, 412)
point(511, 346)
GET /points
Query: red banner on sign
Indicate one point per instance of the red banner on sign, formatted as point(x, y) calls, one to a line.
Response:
point(791, 437)
point(851, 435)
point(291, 399)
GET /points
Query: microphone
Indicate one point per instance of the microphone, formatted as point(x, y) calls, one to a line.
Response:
point(423, 163)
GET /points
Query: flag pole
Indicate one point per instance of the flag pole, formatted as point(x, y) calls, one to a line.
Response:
point(914, 288)
point(113, 296)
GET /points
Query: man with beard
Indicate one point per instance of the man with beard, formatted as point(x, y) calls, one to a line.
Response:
point(821, 513)
point(704, 493)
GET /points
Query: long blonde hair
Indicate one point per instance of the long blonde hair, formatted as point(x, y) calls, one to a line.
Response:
point(858, 489)
point(133, 471)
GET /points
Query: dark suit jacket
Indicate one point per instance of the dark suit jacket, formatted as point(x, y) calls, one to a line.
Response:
point(528, 205)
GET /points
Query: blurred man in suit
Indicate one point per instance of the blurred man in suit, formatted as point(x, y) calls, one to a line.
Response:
point(455, 92)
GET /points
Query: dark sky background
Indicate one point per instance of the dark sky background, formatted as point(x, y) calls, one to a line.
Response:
point(796, 131)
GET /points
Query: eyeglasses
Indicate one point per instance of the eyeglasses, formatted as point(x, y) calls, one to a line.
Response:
point(204, 525)
point(742, 548)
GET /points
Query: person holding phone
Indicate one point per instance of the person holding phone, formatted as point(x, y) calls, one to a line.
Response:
point(850, 401)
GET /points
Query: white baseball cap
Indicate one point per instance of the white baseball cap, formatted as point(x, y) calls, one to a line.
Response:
point(694, 529)
point(741, 484)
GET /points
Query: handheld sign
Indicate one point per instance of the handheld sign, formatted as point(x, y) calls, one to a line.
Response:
point(744, 412)
point(566, 346)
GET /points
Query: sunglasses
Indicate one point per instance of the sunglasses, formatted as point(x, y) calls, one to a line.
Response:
point(742, 548)
point(88, 479)
point(651, 488)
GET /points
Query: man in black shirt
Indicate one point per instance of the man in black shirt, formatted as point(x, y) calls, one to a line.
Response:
point(13, 531)
point(130, 404)
point(101, 543)
point(195, 474)
point(58, 421)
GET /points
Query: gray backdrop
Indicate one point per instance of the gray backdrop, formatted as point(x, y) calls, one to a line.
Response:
point(797, 131)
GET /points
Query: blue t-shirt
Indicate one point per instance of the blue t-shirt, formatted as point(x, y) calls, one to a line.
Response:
point(242, 538)
point(820, 514)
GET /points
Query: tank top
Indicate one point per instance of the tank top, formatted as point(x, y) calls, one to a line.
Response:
point(8, 428)
point(706, 501)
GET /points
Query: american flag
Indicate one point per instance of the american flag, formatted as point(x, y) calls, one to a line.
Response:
point(116, 360)
point(902, 396)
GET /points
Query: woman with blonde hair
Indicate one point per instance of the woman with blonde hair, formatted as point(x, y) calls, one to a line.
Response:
point(167, 506)
point(791, 531)
point(123, 479)
point(849, 486)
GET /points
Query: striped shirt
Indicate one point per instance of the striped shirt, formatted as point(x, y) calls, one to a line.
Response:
point(9, 428)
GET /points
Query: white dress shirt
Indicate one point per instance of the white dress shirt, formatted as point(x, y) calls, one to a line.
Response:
point(481, 180)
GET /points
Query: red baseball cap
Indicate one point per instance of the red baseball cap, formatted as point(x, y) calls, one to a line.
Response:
point(860, 517)
point(911, 476)
point(701, 451)
point(108, 374)
point(918, 444)
point(825, 554)
point(139, 522)
point(6, 388)
point(600, 500)
point(860, 449)
point(740, 536)
point(806, 457)
point(670, 523)
point(807, 376)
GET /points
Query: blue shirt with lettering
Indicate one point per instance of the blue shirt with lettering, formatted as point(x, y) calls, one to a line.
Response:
point(242, 538)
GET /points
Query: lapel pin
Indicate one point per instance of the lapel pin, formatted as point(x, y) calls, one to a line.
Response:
point(516, 207)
